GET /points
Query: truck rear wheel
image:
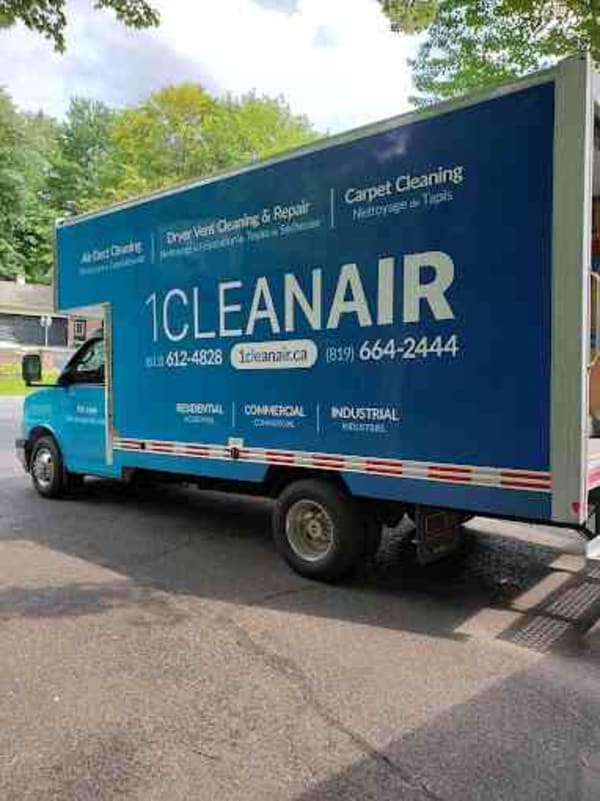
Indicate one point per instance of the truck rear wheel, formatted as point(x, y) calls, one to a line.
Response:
point(318, 529)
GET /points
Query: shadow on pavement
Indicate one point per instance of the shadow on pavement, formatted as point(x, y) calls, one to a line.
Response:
point(517, 741)
point(531, 736)
point(218, 546)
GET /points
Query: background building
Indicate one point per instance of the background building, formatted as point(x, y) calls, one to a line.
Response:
point(27, 318)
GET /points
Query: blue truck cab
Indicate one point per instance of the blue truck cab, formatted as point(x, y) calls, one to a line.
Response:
point(64, 425)
point(391, 321)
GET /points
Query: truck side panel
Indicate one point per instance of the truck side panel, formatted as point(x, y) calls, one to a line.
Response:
point(380, 307)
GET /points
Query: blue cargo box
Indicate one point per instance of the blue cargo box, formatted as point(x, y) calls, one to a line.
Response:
point(404, 305)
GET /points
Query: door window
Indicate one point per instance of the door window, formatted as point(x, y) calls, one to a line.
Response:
point(88, 367)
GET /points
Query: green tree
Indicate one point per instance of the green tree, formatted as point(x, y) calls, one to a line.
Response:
point(99, 155)
point(47, 170)
point(409, 16)
point(163, 140)
point(12, 184)
point(181, 133)
point(33, 234)
point(48, 17)
point(251, 127)
point(81, 165)
point(474, 43)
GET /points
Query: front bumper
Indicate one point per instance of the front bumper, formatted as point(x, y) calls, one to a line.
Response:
point(21, 451)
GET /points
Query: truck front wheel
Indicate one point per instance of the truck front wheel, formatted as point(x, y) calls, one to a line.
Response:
point(318, 529)
point(46, 467)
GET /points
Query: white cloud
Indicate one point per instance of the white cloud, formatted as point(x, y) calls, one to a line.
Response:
point(334, 60)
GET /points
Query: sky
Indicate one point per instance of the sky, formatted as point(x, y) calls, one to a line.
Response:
point(336, 61)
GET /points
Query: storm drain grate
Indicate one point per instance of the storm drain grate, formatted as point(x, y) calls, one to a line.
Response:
point(574, 601)
point(561, 619)
point(592, 572)
point(539, 634)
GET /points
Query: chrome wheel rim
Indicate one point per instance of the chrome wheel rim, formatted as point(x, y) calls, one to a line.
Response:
point(309, 530)
point(43, 468)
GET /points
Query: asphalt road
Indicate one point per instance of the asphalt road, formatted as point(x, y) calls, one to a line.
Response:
point(154, 647)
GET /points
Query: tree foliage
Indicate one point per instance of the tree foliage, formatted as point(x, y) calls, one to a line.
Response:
point(33, 233)
point(12, 183)
point(180, 133)
point(99, 155)
point(48, 17)
point(26, 144)
point(164, 140)
point(409, 16)
point(255, 126)
point(474, 43)
point(81, 162)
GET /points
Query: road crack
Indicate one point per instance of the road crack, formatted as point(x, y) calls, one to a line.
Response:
point(292, 673)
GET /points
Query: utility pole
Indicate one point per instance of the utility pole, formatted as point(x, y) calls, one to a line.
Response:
point(46, 322)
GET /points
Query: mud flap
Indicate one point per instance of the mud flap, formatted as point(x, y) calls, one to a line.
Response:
point(592, 549)
point(438, 533)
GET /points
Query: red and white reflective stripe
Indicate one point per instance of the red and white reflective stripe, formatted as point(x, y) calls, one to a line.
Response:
point(532, 480)
point(130, 445)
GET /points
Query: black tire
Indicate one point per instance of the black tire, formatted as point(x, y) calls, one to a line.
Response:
point(373, 538)
point(318, 529)
point(373, 533)
point(47, 471)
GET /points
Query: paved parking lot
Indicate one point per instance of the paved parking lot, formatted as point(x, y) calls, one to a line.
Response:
point(154, 647)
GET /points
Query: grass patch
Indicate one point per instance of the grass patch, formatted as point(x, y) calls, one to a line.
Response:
point(13, 385)
point(10, 370)
point(11, 382)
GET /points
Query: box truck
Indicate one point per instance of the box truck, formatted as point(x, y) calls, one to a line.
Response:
point(391, 321)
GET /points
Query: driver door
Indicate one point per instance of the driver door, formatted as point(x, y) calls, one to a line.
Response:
point(84, 409)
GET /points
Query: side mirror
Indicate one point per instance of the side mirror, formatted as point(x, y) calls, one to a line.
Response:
point(31, 368)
